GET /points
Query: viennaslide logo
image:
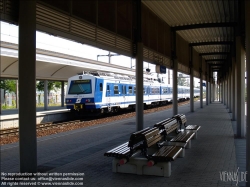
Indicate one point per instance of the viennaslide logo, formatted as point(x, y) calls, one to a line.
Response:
point(233, 176)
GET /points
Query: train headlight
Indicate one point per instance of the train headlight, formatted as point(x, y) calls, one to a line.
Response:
point(87, 100)
point(68, 100)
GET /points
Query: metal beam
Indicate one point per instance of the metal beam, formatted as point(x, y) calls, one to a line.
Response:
point(217, 64)
point(216, 67)
point(139, 68)
point(247, 23)
point(27, 85)
point(215, 60)
point(191, 79)
point(204, 25)
point(211, 43)
point(175, 70)
point(214, 53)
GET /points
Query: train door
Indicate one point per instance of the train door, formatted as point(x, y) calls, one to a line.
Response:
point(148, 95)
point(108, 96)
point(124, 92)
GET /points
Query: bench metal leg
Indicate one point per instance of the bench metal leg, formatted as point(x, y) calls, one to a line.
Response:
point(189, 145)
point(115, 162)
point(196, 135)
point(167, 169)
point(138, 165)
point(182, 154)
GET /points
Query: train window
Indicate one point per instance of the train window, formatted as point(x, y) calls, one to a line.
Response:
point(164, 90)
point(153, 90)
point(130, 91)
point(134, 90)
point(157, 90)
point(123, 89)
point(144, 90)
point(101, 87)
point(108, 88)
point(80, 87)
point(116, 89)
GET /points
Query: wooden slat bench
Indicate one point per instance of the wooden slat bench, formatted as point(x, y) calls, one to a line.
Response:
point(142, 154)
point(182, 139)
point(126, 150)
point(181, 118)
point(122, 151)
point(166, 153)
point(151, 148)
point(167, 126)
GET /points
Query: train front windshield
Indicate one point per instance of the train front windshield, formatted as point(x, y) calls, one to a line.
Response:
point(80, 87)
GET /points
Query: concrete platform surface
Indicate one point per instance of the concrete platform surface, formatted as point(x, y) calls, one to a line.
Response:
point(13, 113)
point(212, 155)
point(9, 118)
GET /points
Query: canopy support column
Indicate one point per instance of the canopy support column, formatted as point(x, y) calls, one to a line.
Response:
point(27, 85)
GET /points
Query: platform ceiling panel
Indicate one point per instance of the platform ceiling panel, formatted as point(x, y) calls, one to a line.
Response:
point(155, 32)
point(204, 67)
point(196, 60)
point(199, 21)
point(182, 50)
point(210, 57)
point(101, 31)
point(155, 57)
point(9, 11)
point(179, 13)
point(56, 66)
point(46, 70)
point(212, 48)
point(208, 34)
point(183, 68)
point(9, 66)
point(109, 24)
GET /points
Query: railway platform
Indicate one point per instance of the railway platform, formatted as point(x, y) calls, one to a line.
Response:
point(214, 153)
point(9, 118)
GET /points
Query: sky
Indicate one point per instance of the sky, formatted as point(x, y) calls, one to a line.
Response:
point(9, 33)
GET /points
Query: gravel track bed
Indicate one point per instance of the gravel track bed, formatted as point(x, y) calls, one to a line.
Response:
point(45, 132)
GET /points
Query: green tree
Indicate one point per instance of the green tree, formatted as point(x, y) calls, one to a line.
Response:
point(52, 85)
point(9, 86)
point(181, 81)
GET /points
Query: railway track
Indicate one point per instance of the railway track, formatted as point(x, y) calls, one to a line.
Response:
point(42, 126)
point(10, 132)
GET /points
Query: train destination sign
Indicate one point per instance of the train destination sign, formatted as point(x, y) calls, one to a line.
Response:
point(82, 81)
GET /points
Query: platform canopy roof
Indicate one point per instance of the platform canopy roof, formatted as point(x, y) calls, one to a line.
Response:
point(209, 27)
point(54, 66)
point(199, 21)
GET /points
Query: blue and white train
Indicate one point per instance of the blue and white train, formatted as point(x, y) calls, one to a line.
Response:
point(108, 92)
